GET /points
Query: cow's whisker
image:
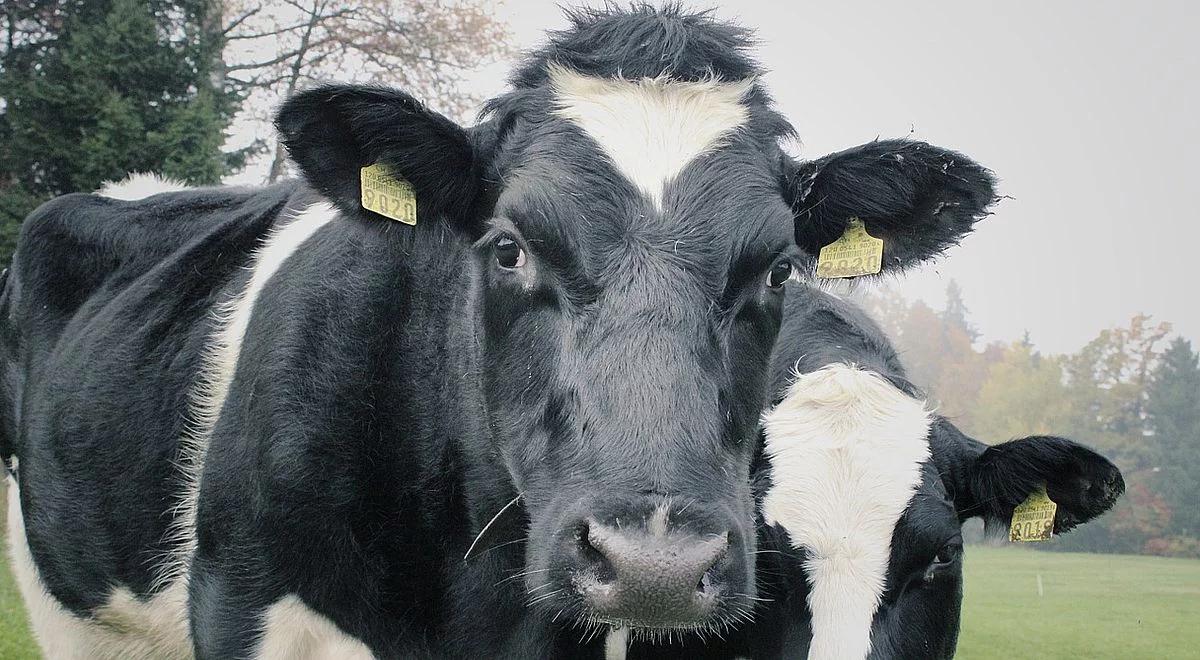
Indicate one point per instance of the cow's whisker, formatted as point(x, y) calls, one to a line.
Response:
point(499, 514)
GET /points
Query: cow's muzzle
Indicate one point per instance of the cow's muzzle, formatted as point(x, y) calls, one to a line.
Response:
point(653, 563)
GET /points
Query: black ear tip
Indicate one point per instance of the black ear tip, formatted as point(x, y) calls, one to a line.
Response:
point(1102, 482)
point(1108, 489)
point(301, 108)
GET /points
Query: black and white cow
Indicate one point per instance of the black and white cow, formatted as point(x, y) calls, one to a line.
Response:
point(864, 491)
point(269, 423)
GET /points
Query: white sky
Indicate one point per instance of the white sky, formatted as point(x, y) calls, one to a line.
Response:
point(1087, 111)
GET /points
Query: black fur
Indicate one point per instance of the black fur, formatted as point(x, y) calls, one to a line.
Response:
point(1083, 484)
point(333, 131)
point(107, 307)
point(920, 199)
point(644, 42)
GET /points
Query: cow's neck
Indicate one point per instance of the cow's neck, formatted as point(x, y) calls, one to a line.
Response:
point(465, 482)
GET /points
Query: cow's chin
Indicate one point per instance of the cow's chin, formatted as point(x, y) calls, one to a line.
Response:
point(665, 634)
point(574, 613)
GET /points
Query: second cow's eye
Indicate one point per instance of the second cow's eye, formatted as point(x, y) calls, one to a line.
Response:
point(947, 555)
point(509, 254)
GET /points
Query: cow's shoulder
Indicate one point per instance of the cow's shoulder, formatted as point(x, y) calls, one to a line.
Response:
point(73, 246)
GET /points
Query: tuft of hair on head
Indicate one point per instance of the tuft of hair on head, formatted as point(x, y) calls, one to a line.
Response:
point(644, 41)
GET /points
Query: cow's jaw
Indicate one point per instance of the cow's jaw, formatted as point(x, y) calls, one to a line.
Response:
point(846, 449)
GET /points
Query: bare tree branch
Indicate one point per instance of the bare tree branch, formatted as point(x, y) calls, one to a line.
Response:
point(423, 46)
point(233, 25)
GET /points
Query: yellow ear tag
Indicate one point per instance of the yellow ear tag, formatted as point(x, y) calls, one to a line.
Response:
point(1033, 519)
point(387, 194)
point(855, 253)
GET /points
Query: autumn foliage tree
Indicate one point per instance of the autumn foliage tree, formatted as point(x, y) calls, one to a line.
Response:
point(938, 350)
point(1129, 392)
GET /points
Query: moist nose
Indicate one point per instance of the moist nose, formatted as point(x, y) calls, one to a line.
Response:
point(649, 576)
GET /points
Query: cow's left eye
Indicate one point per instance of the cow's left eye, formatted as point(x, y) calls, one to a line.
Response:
point(779, 274)
point(509, 254)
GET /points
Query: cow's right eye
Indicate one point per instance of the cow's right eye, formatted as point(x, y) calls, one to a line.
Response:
point(779, 274)
point(509, 254)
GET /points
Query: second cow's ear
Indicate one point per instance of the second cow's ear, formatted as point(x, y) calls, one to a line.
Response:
point(920, 199)
point(333, 131)
point(1081, 482)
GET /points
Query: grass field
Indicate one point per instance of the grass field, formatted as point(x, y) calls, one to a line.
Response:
point(15, 640)
point(1090, 606)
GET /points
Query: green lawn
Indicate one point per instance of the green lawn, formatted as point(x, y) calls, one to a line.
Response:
point(16, 643)
point(1091, 606)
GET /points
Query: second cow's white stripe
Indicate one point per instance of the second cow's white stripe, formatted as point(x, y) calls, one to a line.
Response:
point(846, 449)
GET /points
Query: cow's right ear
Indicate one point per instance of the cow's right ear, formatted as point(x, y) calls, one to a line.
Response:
point(333, 131)
point(920, 199)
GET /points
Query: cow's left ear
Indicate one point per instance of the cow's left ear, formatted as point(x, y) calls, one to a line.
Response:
point(920, 199)
point(333, 131)
point(1081, 482)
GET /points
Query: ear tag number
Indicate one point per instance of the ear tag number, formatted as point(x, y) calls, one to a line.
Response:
point(387, 194)
point(855, 253)
point(1033, 519)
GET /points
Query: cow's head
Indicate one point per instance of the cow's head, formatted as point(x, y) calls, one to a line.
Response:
point(871, 490)
point(625, 220)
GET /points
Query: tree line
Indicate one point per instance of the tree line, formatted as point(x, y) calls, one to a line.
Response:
point(91, 90)
point(1132, 392)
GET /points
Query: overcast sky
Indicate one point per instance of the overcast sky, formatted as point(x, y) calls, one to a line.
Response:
point(1087, 111)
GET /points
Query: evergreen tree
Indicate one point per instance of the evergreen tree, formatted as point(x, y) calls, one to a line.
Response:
point(1173, 408)
point(92, 90)
point(955, 313)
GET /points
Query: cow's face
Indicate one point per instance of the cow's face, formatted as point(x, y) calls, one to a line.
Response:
point(871, 490)
point(630, 301)
point(625, 242)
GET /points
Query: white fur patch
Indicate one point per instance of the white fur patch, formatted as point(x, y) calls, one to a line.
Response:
point(616, 644)
point(846, 449)
point(125, 628)
point(220, 362)
point(653, 127)
point(139, 185)
point(292, 631)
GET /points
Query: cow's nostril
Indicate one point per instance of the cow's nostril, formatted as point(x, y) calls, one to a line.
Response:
point(601, 568)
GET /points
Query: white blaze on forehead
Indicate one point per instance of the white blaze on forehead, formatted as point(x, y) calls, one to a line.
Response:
point(846, 449)
point(653, 127)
